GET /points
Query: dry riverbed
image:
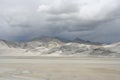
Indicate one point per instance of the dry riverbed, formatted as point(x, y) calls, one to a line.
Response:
point(67, 68)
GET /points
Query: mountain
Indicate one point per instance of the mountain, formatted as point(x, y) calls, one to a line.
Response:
point(47, 46)
point(78, 40)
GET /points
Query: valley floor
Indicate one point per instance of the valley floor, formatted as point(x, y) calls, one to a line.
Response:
point(60, 68)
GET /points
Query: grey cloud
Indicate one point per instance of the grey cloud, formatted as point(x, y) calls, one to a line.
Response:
point(63, 18)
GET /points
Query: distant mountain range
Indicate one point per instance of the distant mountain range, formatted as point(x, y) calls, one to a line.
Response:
point(48, 46)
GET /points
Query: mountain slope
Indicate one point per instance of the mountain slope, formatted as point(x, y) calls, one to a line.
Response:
point(56, 47)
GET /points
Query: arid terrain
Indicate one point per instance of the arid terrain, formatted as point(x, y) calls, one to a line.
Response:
point(60, 68)
point(59, 39)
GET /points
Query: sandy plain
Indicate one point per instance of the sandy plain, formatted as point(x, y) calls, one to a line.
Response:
point(59, 68)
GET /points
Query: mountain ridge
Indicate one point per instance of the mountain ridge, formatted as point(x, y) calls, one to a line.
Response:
point(48, 46)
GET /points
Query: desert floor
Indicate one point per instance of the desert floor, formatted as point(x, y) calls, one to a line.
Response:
point(60, 68)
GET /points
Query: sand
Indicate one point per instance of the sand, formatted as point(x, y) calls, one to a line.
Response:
point(66, 68)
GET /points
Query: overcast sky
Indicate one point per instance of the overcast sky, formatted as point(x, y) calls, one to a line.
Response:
point(95, 20)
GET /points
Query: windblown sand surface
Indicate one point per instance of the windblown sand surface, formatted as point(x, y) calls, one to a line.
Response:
point(60, 69)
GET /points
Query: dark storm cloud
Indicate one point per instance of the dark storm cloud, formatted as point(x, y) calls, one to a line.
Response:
point(63, 18)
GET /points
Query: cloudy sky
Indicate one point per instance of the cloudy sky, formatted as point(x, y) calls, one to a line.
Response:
point(95, 20)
